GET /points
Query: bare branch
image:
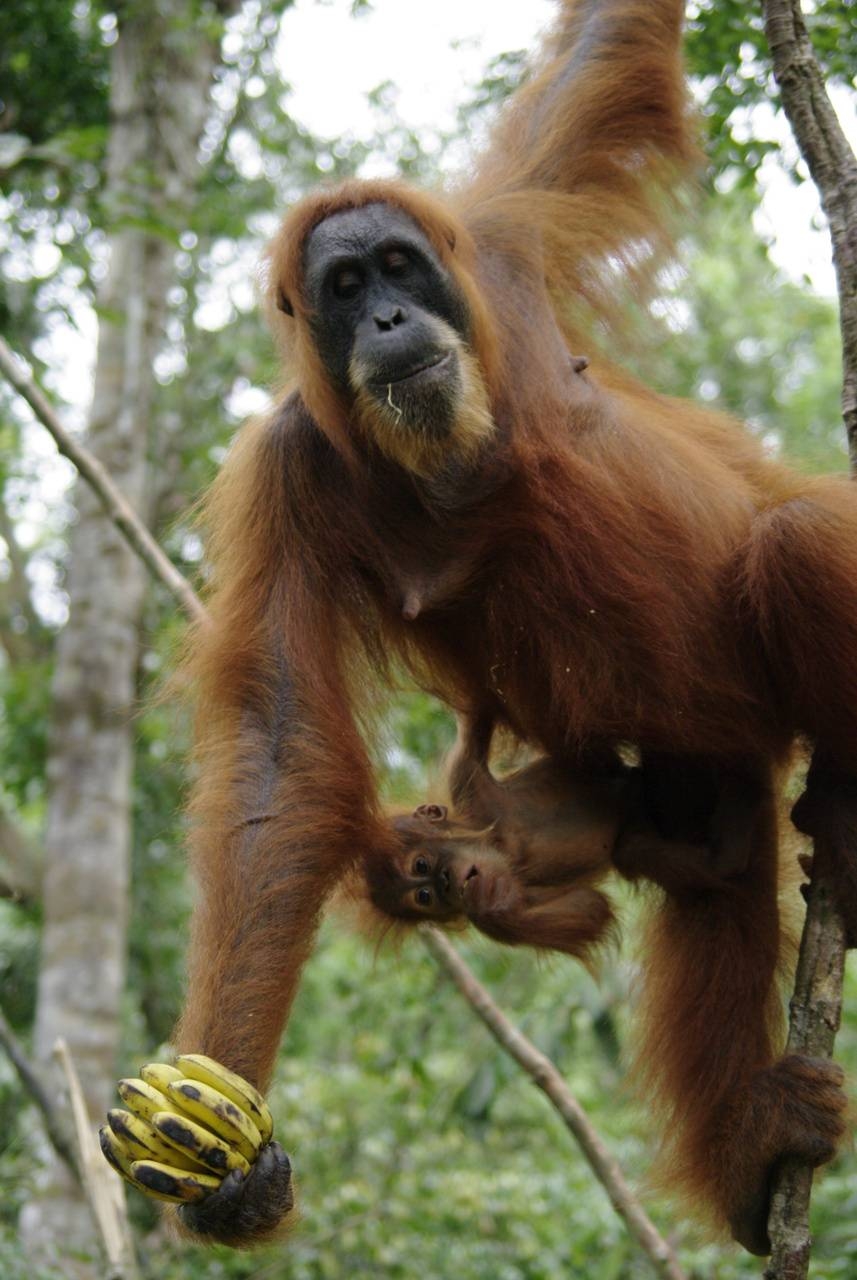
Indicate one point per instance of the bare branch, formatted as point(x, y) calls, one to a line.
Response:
point(815, 1010)
point(102, 1184)
point(544, 1074)
point(816, 1004)
point(97, 476)
point(29, 1077)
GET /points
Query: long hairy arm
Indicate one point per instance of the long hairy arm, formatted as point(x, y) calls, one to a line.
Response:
point(284, 798)
point(590, 151)
point(609, 94)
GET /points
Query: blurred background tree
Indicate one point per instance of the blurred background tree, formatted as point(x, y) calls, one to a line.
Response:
point(418, 1145)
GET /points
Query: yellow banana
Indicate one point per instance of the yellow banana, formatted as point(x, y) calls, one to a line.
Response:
point(139, 1141)
point(200, 1144)
point(217, 1113)
point(196, 1066)
point(159, 1075)
point(142, 1098)
point(116, 1156)
point(114, 1153)
point(165, 1182)
point(131, 1134)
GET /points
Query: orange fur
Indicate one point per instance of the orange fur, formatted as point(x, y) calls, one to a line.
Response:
point(608, 566)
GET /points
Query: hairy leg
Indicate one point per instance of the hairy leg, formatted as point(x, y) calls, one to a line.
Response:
point(709, 1026)
point(794, 1108)
point(474, 791)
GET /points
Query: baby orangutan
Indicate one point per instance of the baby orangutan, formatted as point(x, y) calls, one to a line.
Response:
point(522, 863)
point(523, 858)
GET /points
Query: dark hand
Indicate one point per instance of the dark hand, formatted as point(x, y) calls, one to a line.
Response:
point(797, 1108)
point(245, 1209)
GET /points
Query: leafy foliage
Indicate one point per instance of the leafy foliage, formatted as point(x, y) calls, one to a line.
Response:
point(772, 360)
point(727, 51)
point(53, 69)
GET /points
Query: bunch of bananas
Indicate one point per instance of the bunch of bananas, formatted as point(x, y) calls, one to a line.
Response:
point(186, 1127)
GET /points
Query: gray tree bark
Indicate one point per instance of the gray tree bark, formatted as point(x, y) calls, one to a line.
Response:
point(816, 1004)
point(161, 72)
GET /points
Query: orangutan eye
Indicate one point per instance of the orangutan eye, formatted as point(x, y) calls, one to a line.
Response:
point(421, 867)
point(396, 263)
point(423, 897)
point(347, 283)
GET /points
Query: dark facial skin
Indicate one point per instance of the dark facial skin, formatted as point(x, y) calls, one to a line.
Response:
point(434, 877)
point(376, 289)
point(429, 882)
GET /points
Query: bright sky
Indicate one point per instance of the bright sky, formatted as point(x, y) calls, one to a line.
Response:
point(434, 53)
point(431, 53)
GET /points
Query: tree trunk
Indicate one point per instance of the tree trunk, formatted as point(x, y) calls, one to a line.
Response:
point(161, 72)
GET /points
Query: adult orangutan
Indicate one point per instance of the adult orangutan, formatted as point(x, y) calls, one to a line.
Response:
point(550, 548)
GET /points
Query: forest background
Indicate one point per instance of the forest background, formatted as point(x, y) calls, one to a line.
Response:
point(146, 150)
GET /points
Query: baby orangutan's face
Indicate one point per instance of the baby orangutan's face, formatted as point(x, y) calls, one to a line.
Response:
point(433, 874)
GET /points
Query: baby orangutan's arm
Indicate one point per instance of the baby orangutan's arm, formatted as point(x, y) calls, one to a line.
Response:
point(568, 920)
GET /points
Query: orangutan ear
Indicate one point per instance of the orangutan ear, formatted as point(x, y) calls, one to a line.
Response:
point(283, 303)
point(431, 812)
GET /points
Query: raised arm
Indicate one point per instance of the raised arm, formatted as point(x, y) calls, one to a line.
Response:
point(590, 150)
point(608, 92)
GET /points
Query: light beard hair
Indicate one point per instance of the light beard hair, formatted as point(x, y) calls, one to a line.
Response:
point(401, 425)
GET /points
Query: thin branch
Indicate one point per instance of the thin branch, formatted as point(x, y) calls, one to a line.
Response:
point(815, 1010)
point(115, 504)
point(103, 1186)
point(816, 1004)
point(15, 645)
point(545, 1075)
point(30, 1079)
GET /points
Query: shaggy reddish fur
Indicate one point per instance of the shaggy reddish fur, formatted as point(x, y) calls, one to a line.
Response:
point(618, 567)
